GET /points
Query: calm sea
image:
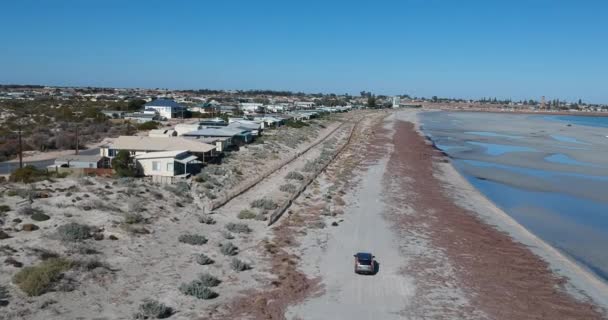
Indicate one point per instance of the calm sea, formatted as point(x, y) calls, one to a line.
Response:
point(550, 173)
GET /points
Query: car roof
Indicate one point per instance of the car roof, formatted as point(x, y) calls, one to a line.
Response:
point(364, 256)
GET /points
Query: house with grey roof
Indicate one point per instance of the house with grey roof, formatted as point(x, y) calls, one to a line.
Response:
point(137, 145)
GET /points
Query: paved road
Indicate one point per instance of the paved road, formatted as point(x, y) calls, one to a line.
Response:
point(351, 296)
point(8, 167)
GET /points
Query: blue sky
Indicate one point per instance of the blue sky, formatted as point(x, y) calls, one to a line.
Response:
point(450, 48)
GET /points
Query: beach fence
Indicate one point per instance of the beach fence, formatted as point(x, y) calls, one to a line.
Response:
point(248, 184)
point(276, 215)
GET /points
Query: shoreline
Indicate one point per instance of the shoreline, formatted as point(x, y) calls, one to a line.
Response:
point(528, 112)
point(578, 282)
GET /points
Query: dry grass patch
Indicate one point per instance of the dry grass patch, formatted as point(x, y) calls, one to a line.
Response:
point(39, 279)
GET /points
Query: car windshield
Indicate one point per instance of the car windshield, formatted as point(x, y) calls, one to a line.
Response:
point(367, 262)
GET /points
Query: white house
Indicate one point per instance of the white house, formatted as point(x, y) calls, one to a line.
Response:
point(167, 163)
point(305, 104)
point(166, 108)
point(251, 107)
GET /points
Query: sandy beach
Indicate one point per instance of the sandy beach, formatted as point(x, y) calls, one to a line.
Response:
point(445, 252)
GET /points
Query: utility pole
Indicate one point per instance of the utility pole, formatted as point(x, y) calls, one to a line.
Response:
point(76, 139)
point(20, 149)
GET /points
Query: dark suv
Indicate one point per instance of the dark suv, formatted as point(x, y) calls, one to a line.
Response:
point(364, 263)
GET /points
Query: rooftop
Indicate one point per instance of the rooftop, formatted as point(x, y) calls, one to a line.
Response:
point(160, 144)
point(162, 103)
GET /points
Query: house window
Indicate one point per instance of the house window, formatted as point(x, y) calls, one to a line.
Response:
point(155, 165)
point(170, 167)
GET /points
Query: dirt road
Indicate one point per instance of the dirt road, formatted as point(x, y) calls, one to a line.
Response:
point(359, 297)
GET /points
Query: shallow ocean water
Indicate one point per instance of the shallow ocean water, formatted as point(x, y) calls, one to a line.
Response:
point(547, 172)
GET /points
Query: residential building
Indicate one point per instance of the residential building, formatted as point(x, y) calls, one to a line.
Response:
point(140, 117)
point(305, 104)
point(166, 108)
point(234, 136)
point(168, 163)
point(137, 145)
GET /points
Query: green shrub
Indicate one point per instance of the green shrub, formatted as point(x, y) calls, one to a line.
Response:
point(296, 124)
point(124, 165)
point(203, 259)
point(246, 214)
point(239, 265)
point(193, 239)
point(238, 227)
point(74, 232)
point(197, 290)
point(4, 208)
point(148, 125)
point(133, 218)
point(28, 174)
point(289, 188)
point(39, 279)
point(229, 249)
point(12, 193)
point(208, 280)
point(264, 203)
point(294, 175)
point(151, 309)
point(39, 216)
point(206, 220)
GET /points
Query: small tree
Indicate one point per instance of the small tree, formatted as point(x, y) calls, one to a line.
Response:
point(371, 102)
point(123, 164)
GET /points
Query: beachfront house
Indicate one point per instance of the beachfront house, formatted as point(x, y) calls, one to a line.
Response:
point(178, 163)
point(137, 145)
point(234, 137)
point(140, 117)
point(166, 108)
point(254, 127)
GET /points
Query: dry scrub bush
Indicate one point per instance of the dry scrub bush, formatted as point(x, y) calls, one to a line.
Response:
point(39, 279)
point(203, 259)
point(246, 214)
point(239, 265)
point(4, 294)
point(193, 239)
point(197, 290)
point(289, 188)
point(229, 249)
point(294, 175)
point(227, 235)
point(266, 204)
point(208, 280)
point(151, 309)
point(73, 232)
point(133, 218)
point(206, 220)
point(238, 227)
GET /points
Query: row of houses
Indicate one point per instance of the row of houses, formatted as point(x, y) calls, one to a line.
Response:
point(182, 150)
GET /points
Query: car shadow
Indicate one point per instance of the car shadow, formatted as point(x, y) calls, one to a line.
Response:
point(376, 268)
